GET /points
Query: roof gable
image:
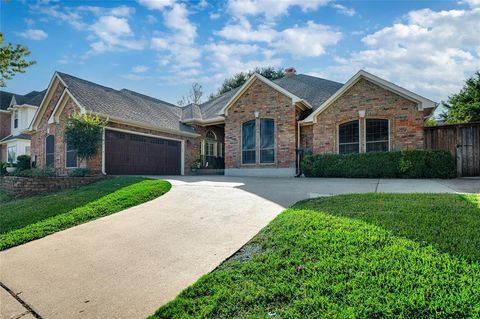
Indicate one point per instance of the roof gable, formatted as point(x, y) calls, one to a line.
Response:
point(422, 102)
point(248, 84)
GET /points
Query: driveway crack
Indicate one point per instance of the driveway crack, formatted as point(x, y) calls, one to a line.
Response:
point(23, 303)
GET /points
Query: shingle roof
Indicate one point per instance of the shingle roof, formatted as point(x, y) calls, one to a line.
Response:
point(312, 89)
point(32, 98)
point(125, 104)
point(19, 136)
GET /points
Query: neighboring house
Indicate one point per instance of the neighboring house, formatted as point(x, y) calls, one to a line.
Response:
point(257, 129)
point(16, 114)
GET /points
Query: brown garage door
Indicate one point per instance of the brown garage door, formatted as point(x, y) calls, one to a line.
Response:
point(130, 154)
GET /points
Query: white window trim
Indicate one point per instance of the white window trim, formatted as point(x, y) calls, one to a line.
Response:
point(274, 142)
point(359, 136)
point(365, 135)
point(66, 150)
point(16, 116)
point(241, 143)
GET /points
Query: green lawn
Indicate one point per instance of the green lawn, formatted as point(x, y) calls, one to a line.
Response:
point(350, 256)
point(26, 219)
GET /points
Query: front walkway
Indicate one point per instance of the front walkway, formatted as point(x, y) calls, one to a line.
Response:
point(128, 264)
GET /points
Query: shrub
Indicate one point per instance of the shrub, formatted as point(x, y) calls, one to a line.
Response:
point(398, 164)
point(3, 169)
point(79, 172)
point(84, 133)
point(23, 162)
point(36, 172)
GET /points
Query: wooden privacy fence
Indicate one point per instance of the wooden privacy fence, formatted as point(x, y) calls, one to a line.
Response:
point(461, 140)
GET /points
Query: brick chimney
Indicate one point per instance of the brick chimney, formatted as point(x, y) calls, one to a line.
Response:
point(290, 71)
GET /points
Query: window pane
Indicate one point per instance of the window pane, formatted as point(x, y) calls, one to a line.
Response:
point(348, 132)
point(12, 154)
point(348, 138)
point(376, 130)
point(248, 142)
point(349, 148)
point(50, 144)
point(267, 156)
point(72, 159)
point(267, 141)
point(49, 160)
point(50, 150)
point(248, 157)
point(248, 135)
point(377, 147)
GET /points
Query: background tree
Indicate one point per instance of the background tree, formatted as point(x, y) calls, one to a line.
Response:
point(464, 107)
point(240, 78)
point(194, 95)
point(12, 60)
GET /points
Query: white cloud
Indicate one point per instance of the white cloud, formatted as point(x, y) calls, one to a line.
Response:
point(113, 33)
point(269, 8)
point(156, 4)
point(34, 34)
point(227, 59)
point(140, 69)
point(300, 41)
point(431, 52)
point(214, 15)
point(179, 43)
point(71, 17)
point(471, 3)
point(344, 10)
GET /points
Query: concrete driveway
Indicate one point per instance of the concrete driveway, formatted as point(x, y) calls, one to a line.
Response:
point(128, 264)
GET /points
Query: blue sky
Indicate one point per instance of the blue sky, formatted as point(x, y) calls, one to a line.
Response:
point(161, 47)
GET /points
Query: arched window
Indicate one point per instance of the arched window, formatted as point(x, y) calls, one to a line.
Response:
point(248, 142)
point(50, 151)
point(211, 136)
point(376, 135)
point(348, 138)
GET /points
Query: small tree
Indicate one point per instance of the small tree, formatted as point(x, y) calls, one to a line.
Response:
point(464, 107)
point(12, 60)
point(84, 133)
point(194, 95)
point(239, 79)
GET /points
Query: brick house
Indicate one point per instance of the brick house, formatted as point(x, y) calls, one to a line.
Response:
point(257, 129)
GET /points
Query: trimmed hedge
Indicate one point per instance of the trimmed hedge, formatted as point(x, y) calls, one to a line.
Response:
point(398, 164)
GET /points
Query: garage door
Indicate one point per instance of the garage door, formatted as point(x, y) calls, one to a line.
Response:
point(131, 154)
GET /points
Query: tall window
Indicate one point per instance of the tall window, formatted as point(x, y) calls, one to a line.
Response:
point(15, 119)
point(376, 135)
point(50, 150)
point(210, 144)
point(70, 156)
point(348, 138)
point(248, 142)
point(267, 141)
point(12, 154)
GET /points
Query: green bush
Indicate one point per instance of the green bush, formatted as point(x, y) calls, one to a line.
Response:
point(399, 164)
point(23, 162)
point(79, 172)
point(36, 172)
point(3, 169)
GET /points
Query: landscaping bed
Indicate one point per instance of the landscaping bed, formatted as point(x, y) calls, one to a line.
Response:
point(350, 256)
point(26, 219)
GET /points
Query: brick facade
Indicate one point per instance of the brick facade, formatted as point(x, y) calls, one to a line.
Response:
point(406, 121)
point(272, 104)
point(192, 144)
point(5, 123)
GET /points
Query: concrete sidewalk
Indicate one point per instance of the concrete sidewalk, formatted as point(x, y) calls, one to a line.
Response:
point(128, 264)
